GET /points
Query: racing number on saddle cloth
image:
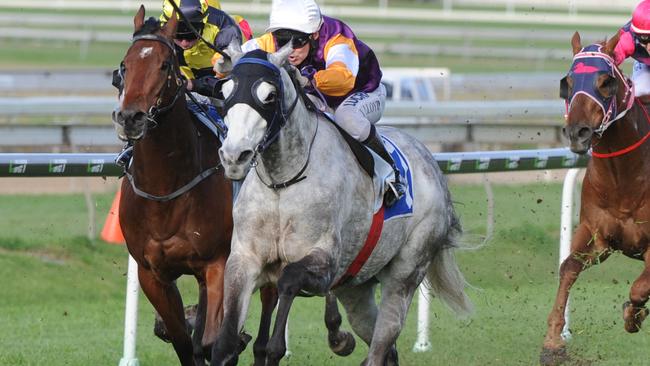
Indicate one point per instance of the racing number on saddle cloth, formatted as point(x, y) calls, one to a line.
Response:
point(403, 207)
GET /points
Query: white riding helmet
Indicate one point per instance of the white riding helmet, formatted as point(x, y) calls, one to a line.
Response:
point(299, 15)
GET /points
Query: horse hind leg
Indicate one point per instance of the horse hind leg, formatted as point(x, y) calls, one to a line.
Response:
point(586, 250)
point(312, 274)
point(396, 296)
point(341, 343)
point(269, 298)
point(361, 308)
point(634, 311)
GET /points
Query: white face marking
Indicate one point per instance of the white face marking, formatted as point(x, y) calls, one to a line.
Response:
point(145, 52)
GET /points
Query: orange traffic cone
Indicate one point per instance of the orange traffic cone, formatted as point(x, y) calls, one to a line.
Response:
point(112, 232)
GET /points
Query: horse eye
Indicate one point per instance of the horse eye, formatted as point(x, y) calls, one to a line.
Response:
point(165, 66)
point(270, 98)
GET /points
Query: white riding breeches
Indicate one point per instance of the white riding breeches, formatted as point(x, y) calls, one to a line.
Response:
point(641, 79)
point(359, 110)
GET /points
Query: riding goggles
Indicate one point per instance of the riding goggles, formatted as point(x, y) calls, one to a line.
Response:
point(298, 39)
point(643, 38)
point(183, 32)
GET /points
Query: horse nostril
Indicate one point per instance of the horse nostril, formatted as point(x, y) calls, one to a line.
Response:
point(585, 133)
point(245, 156)
point(565, 132)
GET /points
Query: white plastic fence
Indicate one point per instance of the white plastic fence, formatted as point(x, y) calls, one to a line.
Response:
point(48, 165)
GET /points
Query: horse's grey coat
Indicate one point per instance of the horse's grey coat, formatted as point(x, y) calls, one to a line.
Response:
point(324, 220)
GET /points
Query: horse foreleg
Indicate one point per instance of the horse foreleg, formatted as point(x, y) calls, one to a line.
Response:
point(167, 301)
point(214, 277)
point(634, 311)
point(341, 343)
point(199, 325)
point(587, 249)
point(269, 298)
point(239, 282)
point(313, 273)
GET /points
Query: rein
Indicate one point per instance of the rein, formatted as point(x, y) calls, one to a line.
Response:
point(631, 147)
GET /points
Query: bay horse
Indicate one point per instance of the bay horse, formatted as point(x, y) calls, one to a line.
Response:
point(302, 218)
point(604, 116)
point(176, 205)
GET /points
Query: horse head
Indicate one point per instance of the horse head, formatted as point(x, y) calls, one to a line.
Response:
point(259, 97)
point(151, 76)
point(596, 93)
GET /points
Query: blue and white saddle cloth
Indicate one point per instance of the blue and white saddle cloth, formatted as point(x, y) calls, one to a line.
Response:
point(384, 173)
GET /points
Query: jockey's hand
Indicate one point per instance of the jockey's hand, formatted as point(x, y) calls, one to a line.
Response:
point(222, 67)
point(226, 35)
point(205, 85)
point(308, 72)
point(190, 85)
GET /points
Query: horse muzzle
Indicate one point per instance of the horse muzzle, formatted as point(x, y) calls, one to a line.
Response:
point(236, 163)
point(133, 123)
point(579, 136)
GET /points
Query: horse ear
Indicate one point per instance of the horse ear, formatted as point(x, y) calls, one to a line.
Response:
point(234, 51)
point(611, 44)
point(138, 20)
point(169, 29)
point(575, 43)
point(280, 57)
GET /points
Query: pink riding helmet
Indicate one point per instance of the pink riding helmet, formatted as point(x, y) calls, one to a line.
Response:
point(641, 18)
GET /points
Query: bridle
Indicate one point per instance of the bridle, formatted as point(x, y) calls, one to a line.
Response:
point(247, 74)
point(173, 76)
point(587, 65)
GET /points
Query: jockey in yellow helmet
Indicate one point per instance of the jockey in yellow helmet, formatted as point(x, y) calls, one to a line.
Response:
point(206, 17)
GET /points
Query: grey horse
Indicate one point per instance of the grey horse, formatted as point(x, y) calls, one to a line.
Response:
point(303, 216)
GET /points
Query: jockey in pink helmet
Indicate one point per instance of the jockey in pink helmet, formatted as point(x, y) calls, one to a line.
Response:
point(635, 42)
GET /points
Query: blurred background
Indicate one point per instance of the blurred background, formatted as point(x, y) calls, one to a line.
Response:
point(463, 75)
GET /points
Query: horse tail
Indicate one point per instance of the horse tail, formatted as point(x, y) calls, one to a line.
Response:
point(445, 279)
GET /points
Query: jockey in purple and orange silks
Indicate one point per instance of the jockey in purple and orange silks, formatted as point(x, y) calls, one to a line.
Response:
point(634, 42)
point(340, 67)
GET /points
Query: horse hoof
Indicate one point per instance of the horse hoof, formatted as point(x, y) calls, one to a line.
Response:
point(343, 344)
point(553, 356)
point(633, 317)
point(244, 338)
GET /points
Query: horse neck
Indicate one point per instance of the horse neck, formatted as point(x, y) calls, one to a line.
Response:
point(629, 169)
point(289, 153)
point(167, 157)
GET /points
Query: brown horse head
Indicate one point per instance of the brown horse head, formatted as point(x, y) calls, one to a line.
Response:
point(151, 75)
point(596, 92)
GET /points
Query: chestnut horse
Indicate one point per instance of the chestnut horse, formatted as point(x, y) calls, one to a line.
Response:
point(604, 116)
point(176, 206)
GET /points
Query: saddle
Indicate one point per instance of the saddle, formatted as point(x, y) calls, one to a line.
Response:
point(360, 152)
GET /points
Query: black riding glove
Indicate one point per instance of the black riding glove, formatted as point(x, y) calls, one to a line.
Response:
point(205, 86)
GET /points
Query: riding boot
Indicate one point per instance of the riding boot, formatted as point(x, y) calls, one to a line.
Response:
point(397, 188)
point(124, 157)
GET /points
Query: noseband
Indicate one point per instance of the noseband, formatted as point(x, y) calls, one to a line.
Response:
point(588, 65)
point(173, 75)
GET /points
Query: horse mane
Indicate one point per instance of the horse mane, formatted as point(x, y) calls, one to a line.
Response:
point(150, 26)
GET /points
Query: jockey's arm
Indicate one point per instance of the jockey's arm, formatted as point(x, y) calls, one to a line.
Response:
point(341, 67)
point(625, 47)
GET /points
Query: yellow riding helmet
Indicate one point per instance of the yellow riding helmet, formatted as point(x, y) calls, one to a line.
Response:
point(194, 10)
